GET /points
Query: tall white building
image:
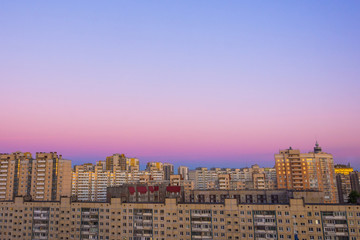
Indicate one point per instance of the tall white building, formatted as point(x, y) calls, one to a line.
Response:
point(183, 172)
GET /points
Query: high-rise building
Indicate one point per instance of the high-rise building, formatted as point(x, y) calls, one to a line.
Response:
point(354, 181)
point(204, 178)
point(313, 170)
point(151, 166)
point(51, 177)
point(291, 170)
point(15, 177)
point(46, 178)
point(90, 182)
point(343, 181)
point(116, 159)
point(156, 170)
point(184, 172)
point(168, 170)
point(270, 178)
point(224, 181)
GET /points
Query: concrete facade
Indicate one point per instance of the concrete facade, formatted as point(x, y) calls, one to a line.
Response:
point(181, 221)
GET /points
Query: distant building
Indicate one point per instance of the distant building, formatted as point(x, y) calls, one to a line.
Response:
point(301, 171)
point(121, 161)
point(46, 178)
point(347, 180)
point(184, 172)
point(15, 175)
point(168, 170)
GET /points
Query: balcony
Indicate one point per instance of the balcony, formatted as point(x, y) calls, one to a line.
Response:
point(333, 225)
point(41, 217)
point(197, 229)
point(40, 225)
point(265, 223)
point(201, 214)
point(201, 237)
point(40, 230)
point(266, 231)
point(201, 222)
point(40, 238)
point(334, 217)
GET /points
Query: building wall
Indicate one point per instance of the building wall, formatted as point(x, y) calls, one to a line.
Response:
point(301, 171)
point(8, 163)
point(184, 172)
point(171, 220)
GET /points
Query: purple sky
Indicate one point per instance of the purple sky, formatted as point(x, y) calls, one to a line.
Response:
point(200, 83)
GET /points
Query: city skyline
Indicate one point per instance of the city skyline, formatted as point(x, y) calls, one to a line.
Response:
point(194, 165)
point(210, 84)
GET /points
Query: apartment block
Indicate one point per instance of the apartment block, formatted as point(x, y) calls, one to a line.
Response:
point(122, 162)
point(184, 172)
point(168, 170)
point(347, 180)
point(50, 177)
point(292, 171)
point(14, 175)
point(66, 219)
point(89, 182)
point(313, 170)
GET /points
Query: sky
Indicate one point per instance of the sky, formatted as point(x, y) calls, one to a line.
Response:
point(196, 83)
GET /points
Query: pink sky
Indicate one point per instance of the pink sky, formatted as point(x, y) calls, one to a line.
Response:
point(213, 84)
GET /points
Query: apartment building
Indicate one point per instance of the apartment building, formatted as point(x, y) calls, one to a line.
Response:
point(168, 170)
point(89, 182)
point(156, 170)
point(122, 162)
point(347, 180)
point(15, 175)
point(184, 172)
point(46, 178)
point(313, 170)
point(170, 219)
point(224, 181)
point(204, 178)
point(291, 170)
point(235, 178)
point(50, 177)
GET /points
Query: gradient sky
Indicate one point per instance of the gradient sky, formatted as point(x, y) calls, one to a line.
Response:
point(200, 83)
